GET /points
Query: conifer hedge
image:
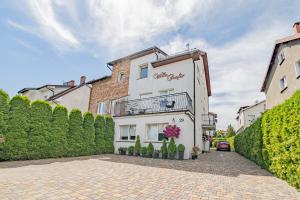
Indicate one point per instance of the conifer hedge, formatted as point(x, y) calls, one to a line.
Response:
point(15, 145)
point(89, 134)
point(273, 141)
point(35, 131)
point(99, 134)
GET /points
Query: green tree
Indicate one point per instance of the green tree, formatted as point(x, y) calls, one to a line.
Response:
point(99, 134)
point(150, 150)
point(109, 134)
point(89, 133)
point(172, 149)
point(137, 146)
point(220, 133)
point(230, 131)
point(59, 131)
point(75, 133)
point(39, 136)
point(164, 149)
point(15, 146)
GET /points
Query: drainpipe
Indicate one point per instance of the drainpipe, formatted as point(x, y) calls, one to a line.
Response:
point(194, 105)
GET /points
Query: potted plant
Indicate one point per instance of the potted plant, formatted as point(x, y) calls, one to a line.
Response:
point(172, 149)
point(156, 153)
point(137, 146)
point(181, 149)
point(122, 150)
point(195, 151)
point(130, 150)
point(150, 150)
point(164, 150)
point(144, 152)
point(172, 131)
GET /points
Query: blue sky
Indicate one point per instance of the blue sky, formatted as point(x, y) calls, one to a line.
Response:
point(48, 42)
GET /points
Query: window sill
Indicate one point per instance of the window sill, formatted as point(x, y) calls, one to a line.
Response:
point(284, 89)
point(131, 141)
point(142, 78)
point(148, 141)
point(281, 61)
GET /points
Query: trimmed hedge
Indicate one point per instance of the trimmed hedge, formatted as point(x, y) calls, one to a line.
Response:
point(15, 145)
point(99, 134)
point(75, 134)
point(89, 134)
point(109, 134)
point(4, 108)
point(231, 142)
point(273, 141)
point(39, 136)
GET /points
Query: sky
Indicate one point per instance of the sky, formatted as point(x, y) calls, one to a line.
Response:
point(50, 42)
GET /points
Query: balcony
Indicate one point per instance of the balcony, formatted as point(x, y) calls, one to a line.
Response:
point(209, 121)
point(152, 105)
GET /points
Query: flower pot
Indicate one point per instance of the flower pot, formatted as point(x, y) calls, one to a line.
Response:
point(130, 153)
point(137, 154)
point(122, 152)
point(155, 155)
point(171, 156)
point(164, 156)
point(180, 155)
point(194, 157)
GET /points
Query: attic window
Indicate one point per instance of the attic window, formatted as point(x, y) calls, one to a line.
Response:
point(121, 77)
point(281, 57)
point(283, 83)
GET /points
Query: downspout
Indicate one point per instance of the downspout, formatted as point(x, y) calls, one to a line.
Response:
point(194, 104)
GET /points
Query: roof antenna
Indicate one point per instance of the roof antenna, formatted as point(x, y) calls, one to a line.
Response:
point(187, 46)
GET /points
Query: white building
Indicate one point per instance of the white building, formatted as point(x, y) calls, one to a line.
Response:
point(165, 90)
point(248, 114)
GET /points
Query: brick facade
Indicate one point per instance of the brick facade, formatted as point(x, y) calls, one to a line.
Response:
point(110, 88)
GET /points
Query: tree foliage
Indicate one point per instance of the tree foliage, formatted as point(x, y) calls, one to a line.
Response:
point(230, 131)
point(89, 134)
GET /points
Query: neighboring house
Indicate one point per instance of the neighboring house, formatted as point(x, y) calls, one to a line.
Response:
point(164, 90)
point(76, 97)
point(46, 91)
point(283, 75)
point(248, 114)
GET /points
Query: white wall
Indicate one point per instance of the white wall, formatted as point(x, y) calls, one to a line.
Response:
point(78, 99)
point(141, 121)
point(43, 93)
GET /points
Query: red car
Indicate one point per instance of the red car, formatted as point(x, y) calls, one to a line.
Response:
point(223, 146)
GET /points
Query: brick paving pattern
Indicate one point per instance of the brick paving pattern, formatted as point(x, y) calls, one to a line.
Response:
point(215, 175)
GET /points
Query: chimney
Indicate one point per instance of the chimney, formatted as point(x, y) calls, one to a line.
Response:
point(71, 83)
point(82, 80)
point(297, 27)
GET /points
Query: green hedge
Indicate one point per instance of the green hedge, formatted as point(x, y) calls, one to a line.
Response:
point(231, 142)
point(273, 141)
point(216, 140)
point(35, 131)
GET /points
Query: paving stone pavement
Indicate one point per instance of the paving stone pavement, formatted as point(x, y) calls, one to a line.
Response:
point(215, 175)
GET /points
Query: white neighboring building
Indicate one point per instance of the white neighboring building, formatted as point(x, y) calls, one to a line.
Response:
point(248, 114)
point(165, 90)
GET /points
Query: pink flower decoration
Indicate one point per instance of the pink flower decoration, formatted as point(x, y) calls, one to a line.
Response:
point(172, 131)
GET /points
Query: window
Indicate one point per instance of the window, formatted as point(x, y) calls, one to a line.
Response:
point(102, 108)
point(281, 57)
point(144, 71)
point(155, 132)
point(121, 77)
point(283, 83)
point(297, 69)
point(251, 118)
point(127, 132)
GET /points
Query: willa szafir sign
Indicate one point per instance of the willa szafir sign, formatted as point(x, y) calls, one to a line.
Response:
point(169, 77)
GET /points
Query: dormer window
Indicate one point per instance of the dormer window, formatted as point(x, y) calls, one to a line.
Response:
point(144, 71)
point(283, 83)
point(121, 77)
point(281, 57)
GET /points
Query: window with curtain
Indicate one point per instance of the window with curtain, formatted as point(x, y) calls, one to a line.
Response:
point(127, 132)
point(155, 132)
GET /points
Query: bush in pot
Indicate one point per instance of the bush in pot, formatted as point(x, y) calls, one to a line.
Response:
point(144, 151)
point(122, 150)
point(137, 146)
point(164, 150)
point(172, 149)
point(150, 150)
point(156, 153)
point(181, 149)
point(131, 150)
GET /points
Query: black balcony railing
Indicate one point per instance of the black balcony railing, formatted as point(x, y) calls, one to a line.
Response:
point(151, 105)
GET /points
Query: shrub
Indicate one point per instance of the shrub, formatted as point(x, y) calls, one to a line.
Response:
point(4, 108)
point(137, 146)
point(216, 140)
point(59, 131)
point(164, 149)
point(172, 149)
point(144, 151)
point(89, 134)
point(150, 150)
point(75, 133)
point(181, 148)
point(39, 136)
point(15, 145)
point(130, 150)
point(99, 134)
point(230, 140)
point(122, 150)
point(109, 134)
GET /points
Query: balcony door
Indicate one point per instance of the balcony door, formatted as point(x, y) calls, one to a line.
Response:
point(165, 100)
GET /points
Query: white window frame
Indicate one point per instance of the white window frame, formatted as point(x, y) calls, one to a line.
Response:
point(157, 131)
point(120, 75)
point(142, 67)
point(297, 69)
point(128, 133)
point(101, 107)
point(283, 83)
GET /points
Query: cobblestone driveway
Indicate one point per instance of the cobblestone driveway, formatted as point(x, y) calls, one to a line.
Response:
point(216, 175)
